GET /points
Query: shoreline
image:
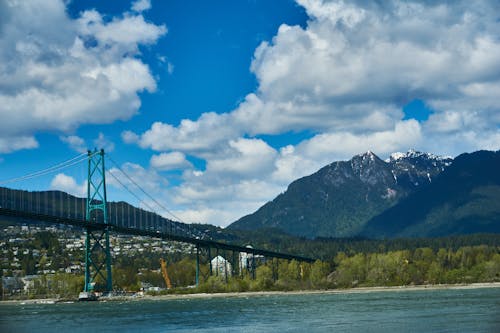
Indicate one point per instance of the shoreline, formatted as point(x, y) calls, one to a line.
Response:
point(326, 291)
point(265, 293)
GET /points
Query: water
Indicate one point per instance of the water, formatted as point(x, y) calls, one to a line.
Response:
point(455, 310)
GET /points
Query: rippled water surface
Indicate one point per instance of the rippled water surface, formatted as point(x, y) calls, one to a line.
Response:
point(456, 310)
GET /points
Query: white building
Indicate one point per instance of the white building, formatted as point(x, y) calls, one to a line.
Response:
point(246, 260)
point(221, 266)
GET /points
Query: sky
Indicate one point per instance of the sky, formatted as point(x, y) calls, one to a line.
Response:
point(214, 107)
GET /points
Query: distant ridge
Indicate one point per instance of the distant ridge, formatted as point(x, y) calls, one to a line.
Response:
point(464, 199)
point(339, 199)
point(58, 203)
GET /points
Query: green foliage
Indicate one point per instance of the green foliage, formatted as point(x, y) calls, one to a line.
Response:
point(327, 248)
point(47, 240)
point(183, 272)
point(264, 277)
point(60, 285)
point(125, 278)
point(421, 266)
point(318, 274)
point(345, 263)
point(214, 284)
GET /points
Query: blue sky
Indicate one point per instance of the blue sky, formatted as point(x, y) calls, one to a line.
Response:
point(216, 106)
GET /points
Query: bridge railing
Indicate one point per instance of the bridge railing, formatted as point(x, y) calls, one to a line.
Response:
point(120, 214)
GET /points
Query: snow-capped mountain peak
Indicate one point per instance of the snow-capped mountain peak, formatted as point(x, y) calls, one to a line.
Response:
point(412, 154)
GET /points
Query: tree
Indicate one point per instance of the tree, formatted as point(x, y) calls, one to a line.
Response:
point(125, 278)
point(264, 277)
point(319, 273)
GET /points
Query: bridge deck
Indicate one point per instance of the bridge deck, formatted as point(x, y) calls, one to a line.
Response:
point(151, 233)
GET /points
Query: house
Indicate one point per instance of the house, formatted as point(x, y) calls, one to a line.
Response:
point(29, 282)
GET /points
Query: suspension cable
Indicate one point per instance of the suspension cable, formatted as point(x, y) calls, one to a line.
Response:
point(143, 191)
point(57, 167)
point(135, 195)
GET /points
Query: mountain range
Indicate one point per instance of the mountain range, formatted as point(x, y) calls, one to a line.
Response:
point(411, 194)
point(464, 199)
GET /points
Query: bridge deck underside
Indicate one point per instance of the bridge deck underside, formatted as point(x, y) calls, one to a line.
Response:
point(151, 233)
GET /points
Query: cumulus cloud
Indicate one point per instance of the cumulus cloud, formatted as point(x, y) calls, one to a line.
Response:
point(205, 214)
point(68, 184)
point(141, 5)
point(57, 73)
point(310, 155)
point(102, 142)
point(354, 67)
point(355, 60)
point(230, 174)
point(149, 180)
point(205, 134)
point(206, 201)
point(346, 77)
point(169, 161)
point(170, 68)
point(245, 158)
point(13, 143)
point(74, 142)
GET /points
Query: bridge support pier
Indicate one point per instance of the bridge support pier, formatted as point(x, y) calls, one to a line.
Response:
point(253, 267)
point(97, 247)
point(209, 262)
point(197, 265)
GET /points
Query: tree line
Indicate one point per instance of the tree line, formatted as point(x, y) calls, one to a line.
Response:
point(342, 264)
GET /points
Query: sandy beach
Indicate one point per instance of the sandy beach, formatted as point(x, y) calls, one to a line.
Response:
point(268, 293)
point(328, 291)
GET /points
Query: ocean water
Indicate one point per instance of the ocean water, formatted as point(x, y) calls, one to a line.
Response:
point(451, 310)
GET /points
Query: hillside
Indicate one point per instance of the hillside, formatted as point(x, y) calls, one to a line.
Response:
point(339, 199)
point(58, 203)
point(464, 199)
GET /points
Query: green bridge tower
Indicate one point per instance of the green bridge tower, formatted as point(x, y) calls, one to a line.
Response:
point(97, 249)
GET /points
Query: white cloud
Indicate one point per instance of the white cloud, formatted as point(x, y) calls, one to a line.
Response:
point(169, 161)
point(353, 68)
point(128, 31)
point(68, 184)
point(149, 180)
point(355, 58)
point(13, 143)
point(211, 130)
point(130, 137)
point(102, 142)
point(343, 144)
point(57, 73)
point(218, 217)
point(75, 142)
point(170, 68)
point(310, 155)
point(245, 158)
point(220, 205)
point(141, 5)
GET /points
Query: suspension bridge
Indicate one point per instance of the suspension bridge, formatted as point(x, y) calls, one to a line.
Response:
point(98, 217)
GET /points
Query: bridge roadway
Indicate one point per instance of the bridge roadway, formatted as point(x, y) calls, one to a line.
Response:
point(151, 233)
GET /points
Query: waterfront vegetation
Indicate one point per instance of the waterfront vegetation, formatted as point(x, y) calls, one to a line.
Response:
point(468, 264)
point(355, 263)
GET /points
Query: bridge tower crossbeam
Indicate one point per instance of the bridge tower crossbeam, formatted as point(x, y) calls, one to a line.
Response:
point(97, 247)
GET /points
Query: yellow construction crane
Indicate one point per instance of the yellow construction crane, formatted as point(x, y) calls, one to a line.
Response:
point(165, 273)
